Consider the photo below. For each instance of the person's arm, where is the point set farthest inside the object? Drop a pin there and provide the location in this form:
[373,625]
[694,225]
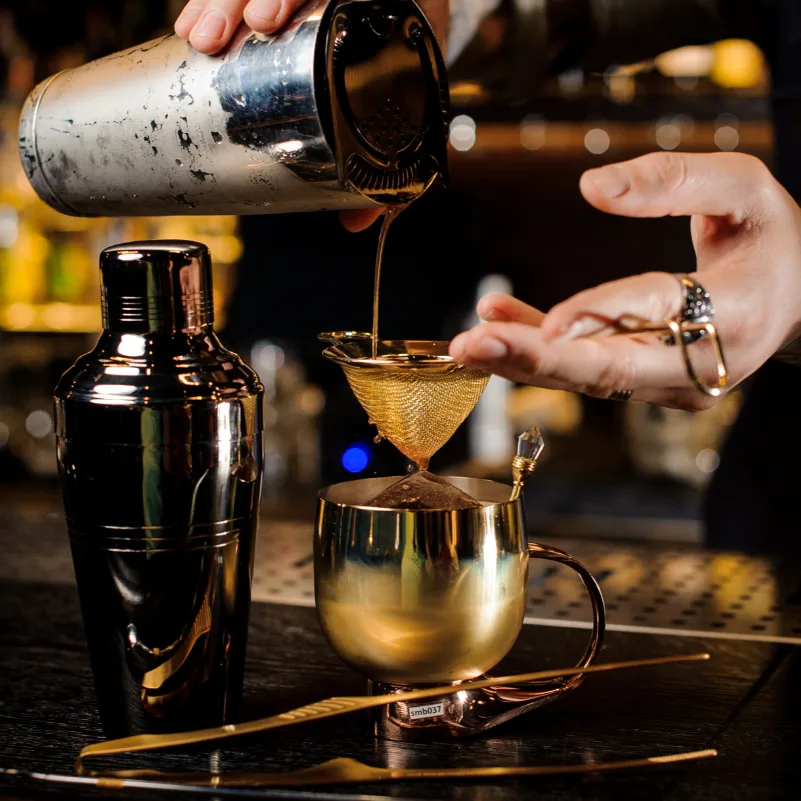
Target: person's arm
[545,37]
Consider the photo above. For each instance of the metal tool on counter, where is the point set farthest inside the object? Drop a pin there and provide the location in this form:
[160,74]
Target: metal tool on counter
[159,438]
[334,707]
[345,108]
[116,784]
[342,771]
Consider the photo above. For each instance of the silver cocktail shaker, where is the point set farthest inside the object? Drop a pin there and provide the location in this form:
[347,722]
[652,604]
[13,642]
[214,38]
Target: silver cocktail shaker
[345,108]
[159,435]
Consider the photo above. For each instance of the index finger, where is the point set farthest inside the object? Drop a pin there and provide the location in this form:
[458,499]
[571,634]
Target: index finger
[596,366]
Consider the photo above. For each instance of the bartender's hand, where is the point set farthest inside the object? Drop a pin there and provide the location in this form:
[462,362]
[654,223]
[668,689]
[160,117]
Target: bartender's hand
[746,230]
[209,25]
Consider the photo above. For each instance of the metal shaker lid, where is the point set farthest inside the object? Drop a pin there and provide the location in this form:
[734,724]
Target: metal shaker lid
[161,285]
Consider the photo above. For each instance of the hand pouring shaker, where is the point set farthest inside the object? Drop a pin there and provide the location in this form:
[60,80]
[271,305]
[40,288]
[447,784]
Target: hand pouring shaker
[345,108]
[159,435]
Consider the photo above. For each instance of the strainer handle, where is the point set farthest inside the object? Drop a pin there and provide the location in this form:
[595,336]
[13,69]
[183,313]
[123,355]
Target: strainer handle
[536,690]
[339,337]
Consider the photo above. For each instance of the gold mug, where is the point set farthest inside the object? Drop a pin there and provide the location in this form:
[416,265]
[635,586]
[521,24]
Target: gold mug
[416,598]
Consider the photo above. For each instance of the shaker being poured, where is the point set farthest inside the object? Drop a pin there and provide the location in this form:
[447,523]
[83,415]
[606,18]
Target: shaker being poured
[346,108]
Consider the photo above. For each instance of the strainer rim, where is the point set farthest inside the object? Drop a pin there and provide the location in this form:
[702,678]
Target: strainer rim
[405,360]
[337,339]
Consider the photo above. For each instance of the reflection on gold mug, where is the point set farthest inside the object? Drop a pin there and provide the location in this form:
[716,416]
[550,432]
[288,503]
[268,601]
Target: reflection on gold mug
[415,598]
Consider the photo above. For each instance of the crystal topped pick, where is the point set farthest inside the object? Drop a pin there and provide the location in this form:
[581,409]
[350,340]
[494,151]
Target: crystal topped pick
[530,445]
[529,448]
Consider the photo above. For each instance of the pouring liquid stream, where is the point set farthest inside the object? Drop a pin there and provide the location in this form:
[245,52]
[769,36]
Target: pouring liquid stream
[391,213]
[421,463]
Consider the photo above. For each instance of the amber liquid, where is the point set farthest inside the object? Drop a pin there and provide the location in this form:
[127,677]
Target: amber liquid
[391,214]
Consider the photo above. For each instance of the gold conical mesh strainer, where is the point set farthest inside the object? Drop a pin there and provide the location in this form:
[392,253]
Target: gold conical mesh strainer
[413,391]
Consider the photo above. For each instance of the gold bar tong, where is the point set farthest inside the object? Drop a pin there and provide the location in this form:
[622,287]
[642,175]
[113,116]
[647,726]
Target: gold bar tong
[677,329]
[350,771]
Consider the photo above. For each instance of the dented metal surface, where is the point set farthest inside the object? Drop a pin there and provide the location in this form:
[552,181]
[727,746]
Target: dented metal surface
[160,129]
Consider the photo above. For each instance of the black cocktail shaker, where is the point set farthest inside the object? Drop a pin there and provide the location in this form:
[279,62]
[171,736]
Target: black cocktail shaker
[159,433]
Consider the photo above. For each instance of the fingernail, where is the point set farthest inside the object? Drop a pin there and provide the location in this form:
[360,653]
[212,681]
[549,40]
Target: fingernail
[489,349]
[611,181]
[188,17]
[493,315]
[211,26]
[267,11]
[574,330]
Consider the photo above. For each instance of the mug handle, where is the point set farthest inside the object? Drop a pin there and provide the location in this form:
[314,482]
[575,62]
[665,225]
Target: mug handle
[543,692]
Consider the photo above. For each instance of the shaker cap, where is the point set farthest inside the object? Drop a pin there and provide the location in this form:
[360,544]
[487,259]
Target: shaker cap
[160,285]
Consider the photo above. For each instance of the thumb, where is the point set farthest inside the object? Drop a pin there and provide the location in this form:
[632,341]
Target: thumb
[679,184]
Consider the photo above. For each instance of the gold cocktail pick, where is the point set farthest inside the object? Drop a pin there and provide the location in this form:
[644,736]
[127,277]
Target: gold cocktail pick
[529,449]
[333,707]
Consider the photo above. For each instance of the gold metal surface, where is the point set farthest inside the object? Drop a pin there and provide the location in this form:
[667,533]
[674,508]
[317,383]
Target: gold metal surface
[414,598]
[722,373]
[334,707]
[522,469]
[413,391]
[677,328]
[411,598]
[402,630]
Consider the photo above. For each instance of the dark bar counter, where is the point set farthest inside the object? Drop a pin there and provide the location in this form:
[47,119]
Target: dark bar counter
[744,702]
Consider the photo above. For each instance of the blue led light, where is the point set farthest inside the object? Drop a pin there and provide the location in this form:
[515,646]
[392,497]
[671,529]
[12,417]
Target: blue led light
[355,458]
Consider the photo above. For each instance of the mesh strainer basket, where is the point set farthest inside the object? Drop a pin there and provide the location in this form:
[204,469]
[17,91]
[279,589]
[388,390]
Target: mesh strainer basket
[413,391]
